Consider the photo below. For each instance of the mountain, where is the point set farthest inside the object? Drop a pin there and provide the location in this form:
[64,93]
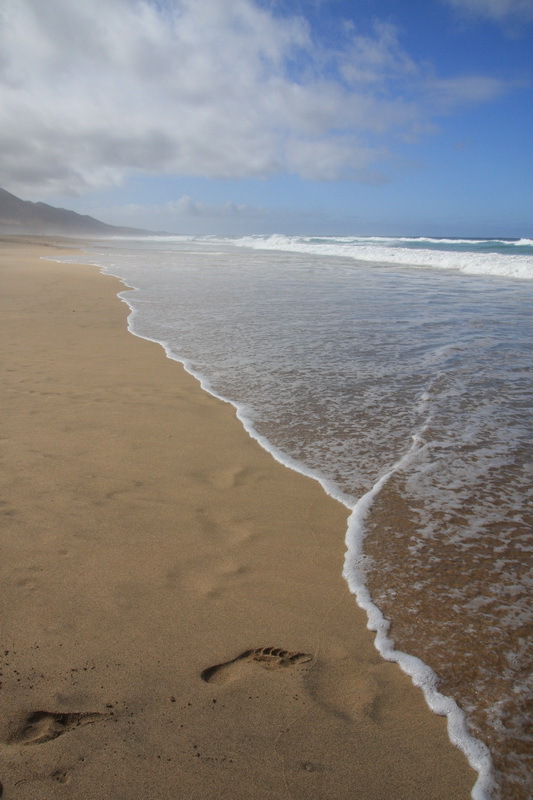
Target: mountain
[24,217]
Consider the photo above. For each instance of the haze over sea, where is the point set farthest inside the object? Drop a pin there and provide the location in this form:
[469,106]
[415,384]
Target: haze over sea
[398,373]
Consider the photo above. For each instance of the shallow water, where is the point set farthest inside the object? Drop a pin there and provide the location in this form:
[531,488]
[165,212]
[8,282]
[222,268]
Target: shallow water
[344,367]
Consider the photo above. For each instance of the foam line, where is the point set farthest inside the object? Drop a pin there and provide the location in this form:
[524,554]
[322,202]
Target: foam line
[383,252]
[476,752]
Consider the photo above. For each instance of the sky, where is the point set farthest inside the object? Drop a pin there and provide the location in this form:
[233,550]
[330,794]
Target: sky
[324,117]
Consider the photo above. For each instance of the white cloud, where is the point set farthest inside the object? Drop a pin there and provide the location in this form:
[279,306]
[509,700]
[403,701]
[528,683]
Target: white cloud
[464,90]
[378,57]
[92,92]
[498,10]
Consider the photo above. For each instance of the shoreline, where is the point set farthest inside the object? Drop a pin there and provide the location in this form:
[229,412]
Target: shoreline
[166,616]
[421,675]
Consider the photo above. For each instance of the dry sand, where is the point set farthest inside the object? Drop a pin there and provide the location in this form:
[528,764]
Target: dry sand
[146,541]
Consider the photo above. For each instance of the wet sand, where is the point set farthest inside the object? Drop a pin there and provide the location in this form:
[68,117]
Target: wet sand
[174,620]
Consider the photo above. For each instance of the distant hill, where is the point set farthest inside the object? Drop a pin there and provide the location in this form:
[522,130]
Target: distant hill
[24,217]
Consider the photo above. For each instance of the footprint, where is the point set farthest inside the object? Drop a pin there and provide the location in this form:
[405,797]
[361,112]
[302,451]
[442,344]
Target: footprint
[43,726]
[210,581]
[61,776]
[266,657]
[229,477]
[347,693]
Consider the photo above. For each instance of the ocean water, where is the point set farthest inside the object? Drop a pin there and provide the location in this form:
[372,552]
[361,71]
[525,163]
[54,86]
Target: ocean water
[398,372]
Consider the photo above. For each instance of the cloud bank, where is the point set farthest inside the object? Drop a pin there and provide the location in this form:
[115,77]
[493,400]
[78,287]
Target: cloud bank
[94,92]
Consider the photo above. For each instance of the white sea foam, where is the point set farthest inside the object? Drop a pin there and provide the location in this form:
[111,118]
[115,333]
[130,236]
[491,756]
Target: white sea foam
[373,250]
[422,676]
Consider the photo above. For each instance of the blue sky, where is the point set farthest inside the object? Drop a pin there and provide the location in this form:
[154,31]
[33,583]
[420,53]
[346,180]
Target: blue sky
[261,116]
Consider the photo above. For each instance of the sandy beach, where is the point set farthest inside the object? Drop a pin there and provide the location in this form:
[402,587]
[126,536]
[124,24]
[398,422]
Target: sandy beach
[174,620]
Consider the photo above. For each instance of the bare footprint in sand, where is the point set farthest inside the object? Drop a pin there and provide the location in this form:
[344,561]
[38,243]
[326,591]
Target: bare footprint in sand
[266,657]
[43,726]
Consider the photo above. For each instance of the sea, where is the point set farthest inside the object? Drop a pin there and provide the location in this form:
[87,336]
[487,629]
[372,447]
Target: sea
[398,373]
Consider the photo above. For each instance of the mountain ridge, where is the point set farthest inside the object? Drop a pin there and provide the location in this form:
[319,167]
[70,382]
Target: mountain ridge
[25,217]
